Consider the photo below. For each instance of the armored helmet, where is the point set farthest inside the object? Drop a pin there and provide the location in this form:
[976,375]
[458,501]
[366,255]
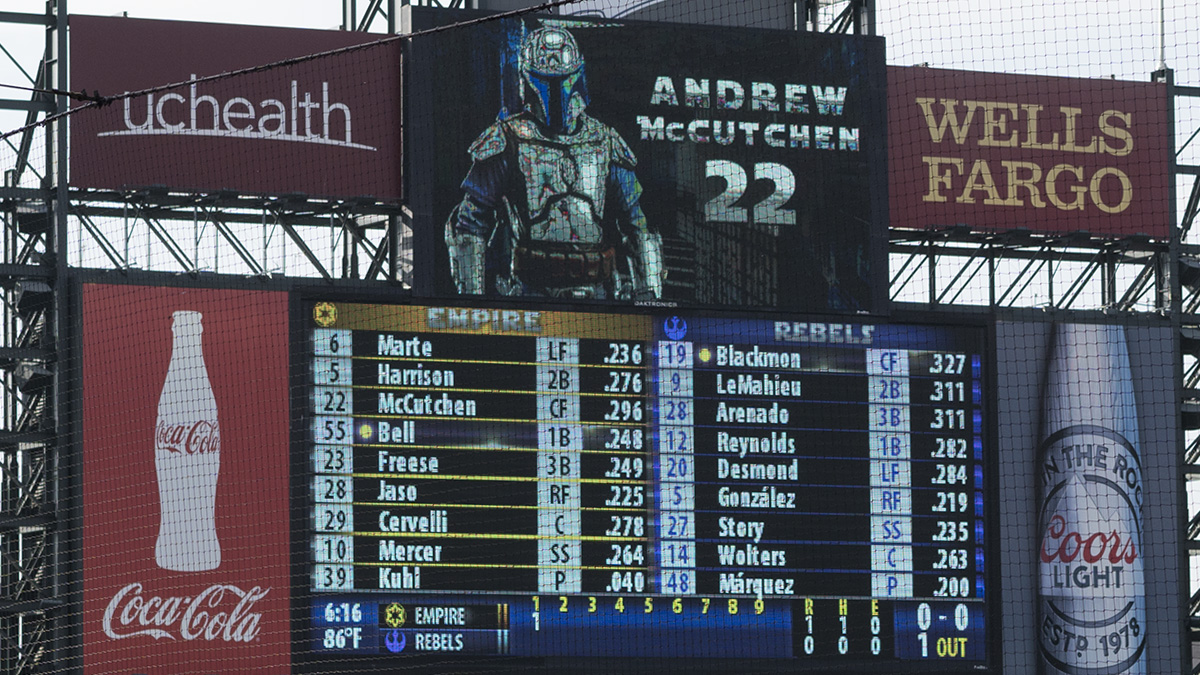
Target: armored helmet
[553,86]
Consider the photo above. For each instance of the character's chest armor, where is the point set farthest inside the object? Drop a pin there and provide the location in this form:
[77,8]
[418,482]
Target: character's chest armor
[564,188]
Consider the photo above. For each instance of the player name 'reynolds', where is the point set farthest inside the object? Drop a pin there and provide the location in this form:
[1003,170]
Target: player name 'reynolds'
[415,377]
[760,385]
[778,443]
[753,471]
[729,355]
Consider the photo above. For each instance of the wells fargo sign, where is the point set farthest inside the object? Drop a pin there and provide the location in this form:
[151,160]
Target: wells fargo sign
[1052,155]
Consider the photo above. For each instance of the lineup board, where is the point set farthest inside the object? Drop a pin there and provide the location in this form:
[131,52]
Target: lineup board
[504,482]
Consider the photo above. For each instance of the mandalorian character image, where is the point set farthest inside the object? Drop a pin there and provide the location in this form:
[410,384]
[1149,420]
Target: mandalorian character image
[551,199]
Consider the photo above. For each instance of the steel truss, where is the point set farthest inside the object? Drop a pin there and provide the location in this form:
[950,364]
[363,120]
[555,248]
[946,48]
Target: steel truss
[49,228]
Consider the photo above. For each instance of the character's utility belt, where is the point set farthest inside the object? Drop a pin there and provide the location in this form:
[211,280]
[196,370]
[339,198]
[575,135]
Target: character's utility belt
[563,267]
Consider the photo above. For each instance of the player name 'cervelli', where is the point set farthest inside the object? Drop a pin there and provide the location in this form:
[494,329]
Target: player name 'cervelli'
[760,385]
[729,355]
[778,443]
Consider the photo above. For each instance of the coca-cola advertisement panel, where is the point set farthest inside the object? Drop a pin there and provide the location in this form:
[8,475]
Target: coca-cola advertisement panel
[1054,155]
[185,451]
[325,127]
[1089,468]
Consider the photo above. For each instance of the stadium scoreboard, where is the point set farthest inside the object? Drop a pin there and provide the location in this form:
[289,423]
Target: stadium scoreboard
[507,482]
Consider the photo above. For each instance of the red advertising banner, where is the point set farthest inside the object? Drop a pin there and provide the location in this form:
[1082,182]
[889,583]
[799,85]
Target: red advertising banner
[327,127]
[185,481]
[1052,155]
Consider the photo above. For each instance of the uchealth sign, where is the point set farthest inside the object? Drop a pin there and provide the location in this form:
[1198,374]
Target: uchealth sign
[185,481]
[1051,155]
[326,127]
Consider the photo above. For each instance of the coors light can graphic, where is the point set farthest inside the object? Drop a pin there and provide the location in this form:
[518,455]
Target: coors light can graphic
[1092,604]
[187,455]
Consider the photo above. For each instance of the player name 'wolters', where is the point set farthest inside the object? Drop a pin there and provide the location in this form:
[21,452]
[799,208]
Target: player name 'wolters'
[754,471]
[415,377]
[760,385]
[750,555]
[729,355]
[778,443]
[411,404]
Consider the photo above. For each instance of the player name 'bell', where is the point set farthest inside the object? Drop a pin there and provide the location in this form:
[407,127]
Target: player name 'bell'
[187,455]
[1092,596]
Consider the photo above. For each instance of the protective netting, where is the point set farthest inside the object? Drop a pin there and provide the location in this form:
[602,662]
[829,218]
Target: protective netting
[613,337]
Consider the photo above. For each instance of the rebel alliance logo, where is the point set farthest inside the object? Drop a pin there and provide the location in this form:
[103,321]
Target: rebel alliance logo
[201,437]
[301,118]
[130,614]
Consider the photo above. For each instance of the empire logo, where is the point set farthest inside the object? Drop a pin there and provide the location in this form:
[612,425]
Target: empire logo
[301,118]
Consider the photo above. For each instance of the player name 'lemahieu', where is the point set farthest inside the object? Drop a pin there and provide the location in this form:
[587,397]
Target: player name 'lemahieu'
[415,377]
[729,355]
[778,443]
[761,385]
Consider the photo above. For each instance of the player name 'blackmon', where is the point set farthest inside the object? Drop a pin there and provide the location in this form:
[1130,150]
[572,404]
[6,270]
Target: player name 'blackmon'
[415,377]
[753,471]
[729,355]
[760,385]
[778,443]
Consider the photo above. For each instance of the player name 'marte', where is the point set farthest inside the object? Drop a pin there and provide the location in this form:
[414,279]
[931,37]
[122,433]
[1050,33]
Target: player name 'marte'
[757,385]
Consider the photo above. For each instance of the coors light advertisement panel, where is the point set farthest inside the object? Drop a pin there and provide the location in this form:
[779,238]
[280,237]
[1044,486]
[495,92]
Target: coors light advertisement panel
[326,127]
[185,451]
[1048,154]
[1089,463]
[654,162]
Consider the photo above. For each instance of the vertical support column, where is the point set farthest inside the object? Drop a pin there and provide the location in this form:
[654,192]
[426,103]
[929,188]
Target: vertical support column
[560,440]
[676,470]
[891,474]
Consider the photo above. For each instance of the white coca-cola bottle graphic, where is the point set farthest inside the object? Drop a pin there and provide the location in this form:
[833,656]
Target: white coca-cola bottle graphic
[187,455]
[1092,596]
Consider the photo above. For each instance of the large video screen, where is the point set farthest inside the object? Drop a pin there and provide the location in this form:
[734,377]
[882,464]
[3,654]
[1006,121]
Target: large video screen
[509,484]
[552,157]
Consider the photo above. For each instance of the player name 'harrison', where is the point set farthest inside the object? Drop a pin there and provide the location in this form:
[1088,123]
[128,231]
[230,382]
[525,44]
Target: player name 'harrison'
[415,377]
[729,355]
[761,385]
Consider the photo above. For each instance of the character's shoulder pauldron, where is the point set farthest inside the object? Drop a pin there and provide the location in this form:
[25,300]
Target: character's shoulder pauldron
[622,155]
[489,144]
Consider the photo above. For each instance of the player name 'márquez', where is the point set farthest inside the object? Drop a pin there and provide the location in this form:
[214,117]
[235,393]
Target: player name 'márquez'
[757,385]
[415,377]
[412,404]
[729,355]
